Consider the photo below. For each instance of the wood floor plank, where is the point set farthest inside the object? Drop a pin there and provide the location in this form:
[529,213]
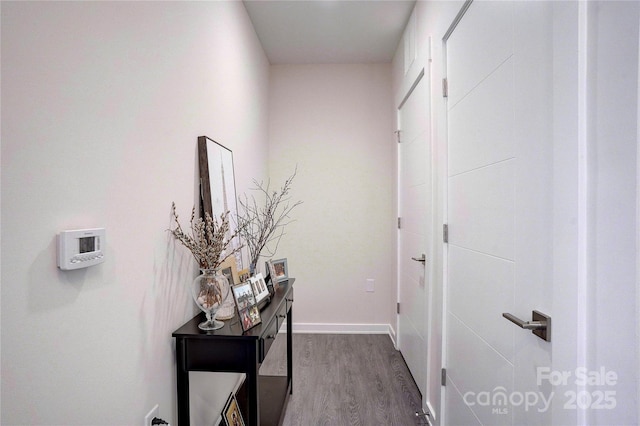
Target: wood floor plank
[340,379]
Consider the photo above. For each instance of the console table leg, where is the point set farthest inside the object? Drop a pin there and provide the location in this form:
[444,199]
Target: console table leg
[290,349]
[182,378]
[252,386]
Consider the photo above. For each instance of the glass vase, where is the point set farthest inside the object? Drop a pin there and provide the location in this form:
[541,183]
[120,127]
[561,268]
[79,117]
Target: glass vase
[210,290]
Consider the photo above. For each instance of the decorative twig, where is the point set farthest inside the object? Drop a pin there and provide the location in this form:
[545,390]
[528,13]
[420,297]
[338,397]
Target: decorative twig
[207,241]
[262,224]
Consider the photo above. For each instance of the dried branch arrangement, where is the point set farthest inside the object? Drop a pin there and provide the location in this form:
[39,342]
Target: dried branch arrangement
[207,241]
[261,224]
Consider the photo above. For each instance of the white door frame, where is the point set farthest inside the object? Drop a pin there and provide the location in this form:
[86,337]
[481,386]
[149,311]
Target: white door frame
[444,173]
[428,267]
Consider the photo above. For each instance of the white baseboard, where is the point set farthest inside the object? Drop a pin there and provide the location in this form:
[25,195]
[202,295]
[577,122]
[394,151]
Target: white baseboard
[336,328]
[432,418]
[392,335]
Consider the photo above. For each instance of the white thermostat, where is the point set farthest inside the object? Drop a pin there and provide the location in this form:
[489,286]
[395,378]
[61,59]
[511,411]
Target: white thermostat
[80,248]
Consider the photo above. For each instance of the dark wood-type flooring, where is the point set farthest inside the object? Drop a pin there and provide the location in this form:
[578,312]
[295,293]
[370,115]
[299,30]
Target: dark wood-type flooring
[341,380]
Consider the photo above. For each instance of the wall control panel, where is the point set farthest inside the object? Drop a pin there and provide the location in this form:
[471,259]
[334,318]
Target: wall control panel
[80,248]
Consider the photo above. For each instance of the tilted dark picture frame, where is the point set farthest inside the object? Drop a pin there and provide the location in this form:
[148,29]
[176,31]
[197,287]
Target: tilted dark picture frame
[218,185]
[231,412]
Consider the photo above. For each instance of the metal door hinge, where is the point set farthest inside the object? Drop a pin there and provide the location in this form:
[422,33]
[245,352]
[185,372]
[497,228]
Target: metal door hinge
[399,223]
[398,307]
[445,233]
[397,132]
[443,380]
[445,88]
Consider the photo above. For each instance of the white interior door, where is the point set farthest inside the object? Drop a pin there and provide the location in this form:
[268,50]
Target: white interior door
[415,211]
[503,214]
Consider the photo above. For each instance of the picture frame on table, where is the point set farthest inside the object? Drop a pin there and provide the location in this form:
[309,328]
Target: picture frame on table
[250,317]
[268,266]
[281,269]
[260,289]
[227,273]
[243,295]
[229,269]
[232,415]
[247,306]
[243,275]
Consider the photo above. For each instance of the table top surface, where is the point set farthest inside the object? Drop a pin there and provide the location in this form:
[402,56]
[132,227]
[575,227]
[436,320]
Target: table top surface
[232,328]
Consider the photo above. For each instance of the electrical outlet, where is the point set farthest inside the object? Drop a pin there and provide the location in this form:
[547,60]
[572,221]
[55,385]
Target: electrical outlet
[369,285]
[155,412]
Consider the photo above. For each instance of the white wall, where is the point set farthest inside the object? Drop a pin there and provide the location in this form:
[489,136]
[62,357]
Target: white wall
[335,122]
[101,107]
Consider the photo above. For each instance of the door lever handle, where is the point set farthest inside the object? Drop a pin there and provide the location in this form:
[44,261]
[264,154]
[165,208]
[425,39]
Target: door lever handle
[527,325]
[540,325]
[422,259]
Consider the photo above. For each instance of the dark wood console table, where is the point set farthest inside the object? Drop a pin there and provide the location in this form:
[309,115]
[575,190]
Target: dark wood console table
[228,349]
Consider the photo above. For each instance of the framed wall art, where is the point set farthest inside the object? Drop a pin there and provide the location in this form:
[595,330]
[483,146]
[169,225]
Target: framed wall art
[218,185]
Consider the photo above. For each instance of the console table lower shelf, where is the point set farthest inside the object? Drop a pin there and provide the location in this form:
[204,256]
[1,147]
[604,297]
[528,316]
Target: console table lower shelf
[274,396]
[262,398]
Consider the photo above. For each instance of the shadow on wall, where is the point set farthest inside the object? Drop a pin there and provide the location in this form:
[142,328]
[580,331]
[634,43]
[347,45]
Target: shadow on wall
[166,303]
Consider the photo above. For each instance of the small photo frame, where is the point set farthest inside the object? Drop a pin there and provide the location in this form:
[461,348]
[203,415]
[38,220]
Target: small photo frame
[227,273]
[282,272]
[243,275]
[268,266]
[232,415]
[259,287]
[230,270]
[243,294]
[250,317]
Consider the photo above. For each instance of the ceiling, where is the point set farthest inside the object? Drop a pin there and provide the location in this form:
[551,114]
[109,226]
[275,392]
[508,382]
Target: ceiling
[329,31]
